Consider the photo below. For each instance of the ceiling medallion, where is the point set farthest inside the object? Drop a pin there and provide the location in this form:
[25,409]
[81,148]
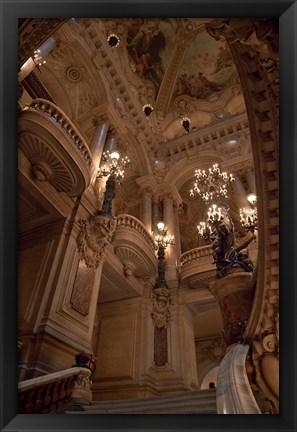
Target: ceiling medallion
[211,185]
[73,74]
[186,124]
[147,109]
[113,40]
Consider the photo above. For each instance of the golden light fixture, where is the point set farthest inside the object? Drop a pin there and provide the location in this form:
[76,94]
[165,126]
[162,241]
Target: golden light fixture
[249,217]
[212,184]
[186,122]
[161,238]
[252,198]
[113,165]
[37,58]
[147,109]
[113,40]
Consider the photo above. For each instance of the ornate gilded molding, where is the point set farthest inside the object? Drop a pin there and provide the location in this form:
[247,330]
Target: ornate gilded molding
[95,234]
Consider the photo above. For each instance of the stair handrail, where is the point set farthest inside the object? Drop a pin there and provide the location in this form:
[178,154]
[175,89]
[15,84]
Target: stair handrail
[48,393]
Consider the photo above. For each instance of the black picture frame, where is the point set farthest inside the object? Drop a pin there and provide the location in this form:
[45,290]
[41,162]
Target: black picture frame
[10,11]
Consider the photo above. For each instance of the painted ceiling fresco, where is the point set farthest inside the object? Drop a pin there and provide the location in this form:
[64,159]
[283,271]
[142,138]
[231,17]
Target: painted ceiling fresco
[150,43]
[206,69]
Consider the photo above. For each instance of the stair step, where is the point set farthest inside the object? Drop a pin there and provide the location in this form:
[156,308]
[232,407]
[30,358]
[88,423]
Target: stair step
[197,402]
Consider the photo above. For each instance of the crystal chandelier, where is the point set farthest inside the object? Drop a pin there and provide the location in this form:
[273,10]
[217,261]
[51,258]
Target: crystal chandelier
[211,185]
[161,238]
[113,165]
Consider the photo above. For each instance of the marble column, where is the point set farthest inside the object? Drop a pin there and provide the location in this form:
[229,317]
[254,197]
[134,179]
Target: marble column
[146,209]
[96,147]
[155,212]
[29,65]
[168,218]
[97,143]
[111,143]
[252,182]
[240,194]
[177,233]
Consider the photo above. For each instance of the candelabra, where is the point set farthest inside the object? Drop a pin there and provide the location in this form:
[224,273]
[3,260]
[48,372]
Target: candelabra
[162,240]
[212,184]
[219,230]
[216,216]
[113,166]
[37,58]
[205,231]
[249,219]
[114,169]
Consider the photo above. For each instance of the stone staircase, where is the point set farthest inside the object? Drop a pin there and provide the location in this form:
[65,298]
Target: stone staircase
[194,402]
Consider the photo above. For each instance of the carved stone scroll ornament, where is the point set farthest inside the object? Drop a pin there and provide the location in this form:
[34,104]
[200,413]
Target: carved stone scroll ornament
[265,363]
[95,234]
[161,314]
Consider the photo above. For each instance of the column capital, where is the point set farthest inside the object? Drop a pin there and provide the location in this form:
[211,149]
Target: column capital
[147,183]
[167,197]
[170,192]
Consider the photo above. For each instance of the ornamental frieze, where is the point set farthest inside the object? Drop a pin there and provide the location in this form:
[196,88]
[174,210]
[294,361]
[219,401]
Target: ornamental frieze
[213,352]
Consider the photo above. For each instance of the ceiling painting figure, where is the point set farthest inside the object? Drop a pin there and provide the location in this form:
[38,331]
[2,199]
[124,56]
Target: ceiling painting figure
[207,68]
[148,45]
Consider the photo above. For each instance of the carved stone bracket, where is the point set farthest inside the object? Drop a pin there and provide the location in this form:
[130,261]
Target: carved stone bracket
[265,362]
[95,234]
[162,300]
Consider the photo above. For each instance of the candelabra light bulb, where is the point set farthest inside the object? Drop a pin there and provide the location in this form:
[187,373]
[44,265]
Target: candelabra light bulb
[160,226]
[115,155]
